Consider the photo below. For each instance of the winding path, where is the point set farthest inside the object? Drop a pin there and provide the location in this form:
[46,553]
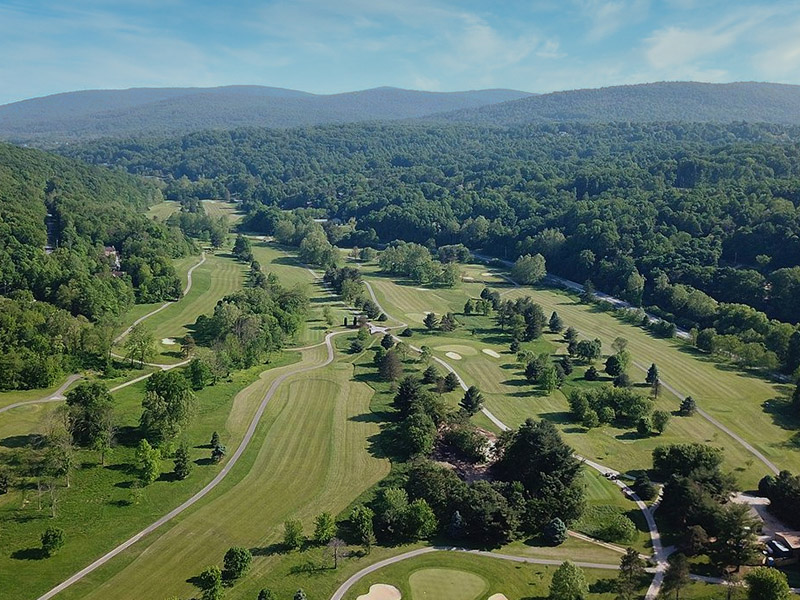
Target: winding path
[166,304]
[248,436]
[659,555]
[58,395]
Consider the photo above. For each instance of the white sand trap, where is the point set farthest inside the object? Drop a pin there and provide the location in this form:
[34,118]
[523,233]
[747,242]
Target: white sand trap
[487,274]
[381,591]
[423,289]
[491,353]
[453,355]
[168,341]
[498,597]
[466,278]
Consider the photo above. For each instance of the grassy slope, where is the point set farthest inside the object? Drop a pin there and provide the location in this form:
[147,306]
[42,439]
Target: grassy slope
[95,512]
[163,210]
[309,455]
[724,392]
[516,581]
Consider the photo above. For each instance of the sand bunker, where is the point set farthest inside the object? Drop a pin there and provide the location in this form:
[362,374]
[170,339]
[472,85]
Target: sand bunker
[498,597]
[453,355]
[381,591]
[168,342]
[487,274]
[423,289]
[465,278]
[491,353]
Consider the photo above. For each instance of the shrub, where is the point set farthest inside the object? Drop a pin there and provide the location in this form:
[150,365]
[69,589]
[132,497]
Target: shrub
[555,532]
[607,523]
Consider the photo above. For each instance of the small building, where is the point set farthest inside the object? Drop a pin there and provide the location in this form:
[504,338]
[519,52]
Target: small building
[111,253]
[784,548]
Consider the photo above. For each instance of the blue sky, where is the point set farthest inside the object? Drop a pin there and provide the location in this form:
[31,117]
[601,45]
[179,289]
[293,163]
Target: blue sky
[327,46]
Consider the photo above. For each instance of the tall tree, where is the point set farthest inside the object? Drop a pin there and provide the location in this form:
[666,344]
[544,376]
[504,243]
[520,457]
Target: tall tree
[569,583]
[767,584]
[167,405]
[631,573]
[676,577]
[472,402]
[140,344]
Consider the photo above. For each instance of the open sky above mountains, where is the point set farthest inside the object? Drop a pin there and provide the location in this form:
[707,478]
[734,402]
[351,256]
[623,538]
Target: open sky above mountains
[328,47]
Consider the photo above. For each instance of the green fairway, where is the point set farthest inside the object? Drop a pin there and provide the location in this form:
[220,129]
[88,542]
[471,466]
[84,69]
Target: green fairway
[309,455]
[163,210]
[446,584]
[96,511]
[217,277]
[470,576]
[219,208]
[509,396]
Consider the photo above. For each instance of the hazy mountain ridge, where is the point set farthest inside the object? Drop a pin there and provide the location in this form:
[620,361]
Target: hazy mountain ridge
[650,102]
[165,111]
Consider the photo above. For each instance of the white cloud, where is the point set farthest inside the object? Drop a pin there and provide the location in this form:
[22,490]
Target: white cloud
[780,57]
[606,17]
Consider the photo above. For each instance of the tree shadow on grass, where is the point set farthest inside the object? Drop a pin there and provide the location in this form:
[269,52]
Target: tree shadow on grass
[30,440]
[783,413]
[276,548]
[559,418]
[129,436]
[203,462]
[29,554]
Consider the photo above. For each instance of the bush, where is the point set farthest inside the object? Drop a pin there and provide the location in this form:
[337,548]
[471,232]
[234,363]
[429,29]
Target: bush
[407,332]
[607,523]
[53,539]
[468,442]
[591,374]
[356,346]
[645,488]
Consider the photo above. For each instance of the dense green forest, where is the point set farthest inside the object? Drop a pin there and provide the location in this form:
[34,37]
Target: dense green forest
[52,298]
[700,220]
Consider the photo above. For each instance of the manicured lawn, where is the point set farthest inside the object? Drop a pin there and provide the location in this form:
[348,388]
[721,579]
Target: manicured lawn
[163,210]
[96,511]
[508,395]
[220,208]
[310,454]
[416,578]
[572,549]
[446,584]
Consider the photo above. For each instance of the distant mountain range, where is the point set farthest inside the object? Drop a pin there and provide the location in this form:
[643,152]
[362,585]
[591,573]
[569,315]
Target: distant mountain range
[666,101]
[159,111]
[171,111]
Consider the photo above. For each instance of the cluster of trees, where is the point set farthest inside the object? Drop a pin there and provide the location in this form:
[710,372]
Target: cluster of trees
[248,325]
[416,262]
[193,221]
[696,503]
[618,405]
[76,211]
[641,209]
[537,482]
[783,491]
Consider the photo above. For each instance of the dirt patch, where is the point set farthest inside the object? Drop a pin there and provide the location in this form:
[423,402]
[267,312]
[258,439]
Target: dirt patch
[381,591]
[453,355]
[491,353]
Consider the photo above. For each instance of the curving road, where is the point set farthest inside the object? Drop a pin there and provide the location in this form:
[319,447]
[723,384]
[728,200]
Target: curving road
[166,304]
[659,555]
[211,485]
[56,396]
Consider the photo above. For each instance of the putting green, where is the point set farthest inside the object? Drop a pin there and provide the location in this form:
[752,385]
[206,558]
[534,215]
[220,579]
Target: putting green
[458,349]
[446,584]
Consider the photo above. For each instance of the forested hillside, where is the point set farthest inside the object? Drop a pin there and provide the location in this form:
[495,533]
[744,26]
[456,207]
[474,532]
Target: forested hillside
[51,298]
[697,219]
[666,101]
[115,113]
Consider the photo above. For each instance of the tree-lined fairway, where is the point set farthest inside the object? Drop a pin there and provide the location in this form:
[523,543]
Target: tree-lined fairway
[219,208]
[512,399]
[163,210]
[310,454]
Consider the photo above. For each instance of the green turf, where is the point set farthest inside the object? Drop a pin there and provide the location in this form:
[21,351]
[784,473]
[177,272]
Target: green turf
[512,399]
[95,511]
[446,584]
[310,454]
[517,581]
[219,208]
[163,210]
